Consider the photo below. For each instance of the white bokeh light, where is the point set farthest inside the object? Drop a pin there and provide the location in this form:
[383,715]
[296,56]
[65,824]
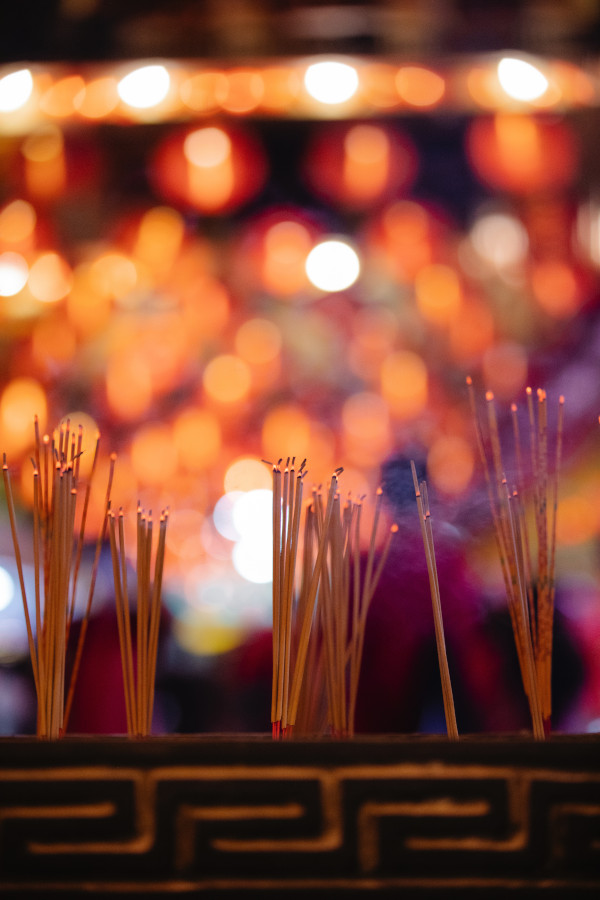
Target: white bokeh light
[207,147]
[14,272]
[253,518]
[15,90]
[7,588]
[332,265]
[331,82]
[500,239]
[253,514]
[144,87]
[521,80]
[253,560]
[223,515]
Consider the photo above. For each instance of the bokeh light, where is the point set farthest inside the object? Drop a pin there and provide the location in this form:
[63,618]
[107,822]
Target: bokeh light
[407,236]
[556,288]
[98,99]
[253,519]
[207,148]
[17,222]
[14,273]
[159,240]
[62,98]
[331,82]
[471,333]
[366,428]
[374,333]
[114,275]
[505,368]
[258,341]
[43,153]
[244,91]
[87,308]
[286,431]
[212,168]
[153,454]
[332,265]
[500,239]
[144,87]
[366,159]
[22,399]
[286,247]
[197,437]
[247,474]
[227,379]
[201,91]
[521,79]
[128,385]
[359,165]
[15,90]
[420,87]
[50,278]
[438,292]
[450,464]
[576,520]
[404,383]
[53,342]
[521,153]
[7,588]
[252,515]
[223,515]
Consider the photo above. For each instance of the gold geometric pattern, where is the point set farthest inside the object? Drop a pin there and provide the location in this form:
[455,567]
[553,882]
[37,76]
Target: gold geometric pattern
[149,824]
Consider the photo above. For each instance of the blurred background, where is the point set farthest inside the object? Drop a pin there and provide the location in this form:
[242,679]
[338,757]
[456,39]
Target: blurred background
[236,231]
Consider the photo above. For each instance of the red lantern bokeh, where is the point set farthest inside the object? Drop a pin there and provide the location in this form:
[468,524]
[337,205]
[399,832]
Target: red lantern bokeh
[213,168]
[360,164]
[522,154]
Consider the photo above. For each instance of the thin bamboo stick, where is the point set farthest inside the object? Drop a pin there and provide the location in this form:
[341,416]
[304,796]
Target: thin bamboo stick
[19,562]
[428,543]
[530,598]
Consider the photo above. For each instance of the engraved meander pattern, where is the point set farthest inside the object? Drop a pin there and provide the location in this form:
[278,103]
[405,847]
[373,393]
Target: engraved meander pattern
[433,824]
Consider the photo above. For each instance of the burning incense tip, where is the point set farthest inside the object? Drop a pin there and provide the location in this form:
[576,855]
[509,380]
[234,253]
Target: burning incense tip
[469,380]
[528,390]
[489,395]
[394,529]
[561,399]
[513,407]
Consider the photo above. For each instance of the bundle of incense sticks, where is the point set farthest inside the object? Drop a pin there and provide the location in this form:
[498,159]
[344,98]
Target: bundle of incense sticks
[524,515]
[427,534]
[139,675]
[318,629]
[57,557]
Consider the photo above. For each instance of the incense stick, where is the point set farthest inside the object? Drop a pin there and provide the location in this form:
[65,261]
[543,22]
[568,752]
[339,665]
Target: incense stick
[56,564]
[434,586]
[138,678]
[319,630]
[530,596]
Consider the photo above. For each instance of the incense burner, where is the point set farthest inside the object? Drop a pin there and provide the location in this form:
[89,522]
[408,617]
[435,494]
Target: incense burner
[234,816]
